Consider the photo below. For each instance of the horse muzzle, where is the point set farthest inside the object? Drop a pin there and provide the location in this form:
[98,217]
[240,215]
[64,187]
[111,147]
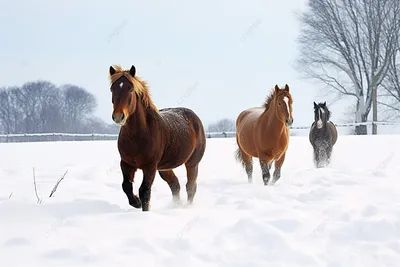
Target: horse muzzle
[288,122]
[119,118]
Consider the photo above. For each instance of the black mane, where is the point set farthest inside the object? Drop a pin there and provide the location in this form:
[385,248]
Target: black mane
[325,108]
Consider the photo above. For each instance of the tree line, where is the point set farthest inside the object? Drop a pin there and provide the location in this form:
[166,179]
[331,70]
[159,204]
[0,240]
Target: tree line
[41,107]
[352,47]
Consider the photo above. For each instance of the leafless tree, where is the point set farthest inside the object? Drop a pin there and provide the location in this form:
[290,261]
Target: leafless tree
[37,99]
[224,125]
[10,111]
[348,46]
[78,106]
[391,85]
[41,107]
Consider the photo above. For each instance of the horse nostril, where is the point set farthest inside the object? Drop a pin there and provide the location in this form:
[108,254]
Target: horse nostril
[113,118]
[122,116]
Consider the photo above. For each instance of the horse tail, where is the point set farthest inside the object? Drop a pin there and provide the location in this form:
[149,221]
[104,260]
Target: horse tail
[239,157]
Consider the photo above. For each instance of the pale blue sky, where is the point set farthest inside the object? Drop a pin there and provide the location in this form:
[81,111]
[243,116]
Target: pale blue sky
[224,56]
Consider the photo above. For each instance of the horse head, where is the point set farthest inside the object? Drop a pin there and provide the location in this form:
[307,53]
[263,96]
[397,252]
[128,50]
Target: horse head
[283,103]
[321,114]
[128,92]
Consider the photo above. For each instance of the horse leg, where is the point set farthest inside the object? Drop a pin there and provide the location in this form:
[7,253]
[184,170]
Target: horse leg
[278,166]
[173,182]
[249,170]
[264,161]
[323,155]
[328,154]
[149,173]
[192,172]
[128,173]
[248,166]
[317,157]
[270,165]
[247,163]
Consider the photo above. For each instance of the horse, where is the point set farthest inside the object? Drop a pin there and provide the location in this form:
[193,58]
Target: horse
[263,133]
[153,140]
[323,135]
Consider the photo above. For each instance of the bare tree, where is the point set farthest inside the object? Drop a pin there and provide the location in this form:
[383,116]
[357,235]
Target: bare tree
[78,106]
[224,125]
[10,110]
[391,94]
[348,46]
[40,106]
[36,98]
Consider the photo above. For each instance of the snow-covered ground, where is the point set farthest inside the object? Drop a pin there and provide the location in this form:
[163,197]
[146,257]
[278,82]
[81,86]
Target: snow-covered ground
[346,215]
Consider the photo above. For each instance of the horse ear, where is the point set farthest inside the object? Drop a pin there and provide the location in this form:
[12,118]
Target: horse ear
[277,88]
[112,70]
[132,71]
[325,103]
[315,104]
[287,87]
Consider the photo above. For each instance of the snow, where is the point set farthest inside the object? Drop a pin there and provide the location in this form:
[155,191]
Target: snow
[344,215]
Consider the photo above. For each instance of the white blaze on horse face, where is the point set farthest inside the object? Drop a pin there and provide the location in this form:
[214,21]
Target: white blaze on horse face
[286,99]
[319,122]
[121,84]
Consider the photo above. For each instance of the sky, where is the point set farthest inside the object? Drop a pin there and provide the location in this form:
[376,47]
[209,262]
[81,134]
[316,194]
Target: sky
[215,57]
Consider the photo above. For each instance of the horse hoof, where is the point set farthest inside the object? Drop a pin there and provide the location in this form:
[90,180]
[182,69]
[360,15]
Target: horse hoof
[135,202]
[146,207]
[178,203]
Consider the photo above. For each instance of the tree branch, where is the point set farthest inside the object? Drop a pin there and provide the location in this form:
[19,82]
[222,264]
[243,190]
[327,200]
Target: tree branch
[58,182]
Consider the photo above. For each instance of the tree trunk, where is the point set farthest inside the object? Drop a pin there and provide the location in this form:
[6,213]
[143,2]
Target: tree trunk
[374,110]
[360,117]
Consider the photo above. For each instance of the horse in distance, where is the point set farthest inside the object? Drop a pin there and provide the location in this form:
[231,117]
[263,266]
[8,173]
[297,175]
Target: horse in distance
[322,135]
[153,140]
[263,133]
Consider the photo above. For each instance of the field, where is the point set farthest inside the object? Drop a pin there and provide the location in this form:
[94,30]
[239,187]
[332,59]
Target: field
[344,215]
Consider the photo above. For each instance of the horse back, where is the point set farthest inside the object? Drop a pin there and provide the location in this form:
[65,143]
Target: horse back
[184,133]
[247,118]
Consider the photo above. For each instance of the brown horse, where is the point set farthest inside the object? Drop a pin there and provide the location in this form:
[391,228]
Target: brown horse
[263,132]
[153,140]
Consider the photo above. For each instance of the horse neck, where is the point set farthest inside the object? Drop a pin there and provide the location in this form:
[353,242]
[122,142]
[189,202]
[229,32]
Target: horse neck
[271,115]
[137,120]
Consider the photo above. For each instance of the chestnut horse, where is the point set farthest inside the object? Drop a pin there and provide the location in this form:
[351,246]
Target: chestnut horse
[153,140]
[263,133]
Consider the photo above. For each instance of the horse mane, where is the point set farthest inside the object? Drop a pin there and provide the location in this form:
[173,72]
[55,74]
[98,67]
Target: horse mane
[139,85]
[328,112]
[268,100]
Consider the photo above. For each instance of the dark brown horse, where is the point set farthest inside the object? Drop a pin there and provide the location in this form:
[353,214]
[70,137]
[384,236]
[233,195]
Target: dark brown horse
[263,133]
[153,140]
[323,135]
